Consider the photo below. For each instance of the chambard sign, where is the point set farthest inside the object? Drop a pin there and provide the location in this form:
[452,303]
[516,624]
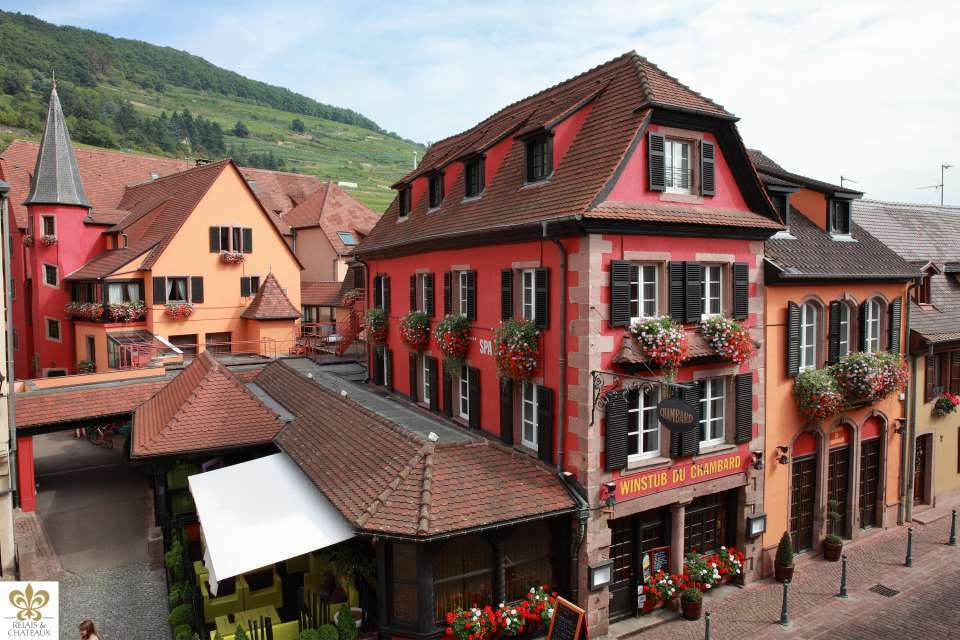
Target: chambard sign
[29,610]
[676,415]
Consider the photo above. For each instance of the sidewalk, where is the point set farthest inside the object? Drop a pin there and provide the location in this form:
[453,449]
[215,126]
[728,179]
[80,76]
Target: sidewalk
[816,612]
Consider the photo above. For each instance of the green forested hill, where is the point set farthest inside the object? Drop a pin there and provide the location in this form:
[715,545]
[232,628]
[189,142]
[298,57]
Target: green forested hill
[136,96]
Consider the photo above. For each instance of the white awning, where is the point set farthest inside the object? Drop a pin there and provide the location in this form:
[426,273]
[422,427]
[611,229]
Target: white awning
[256,513]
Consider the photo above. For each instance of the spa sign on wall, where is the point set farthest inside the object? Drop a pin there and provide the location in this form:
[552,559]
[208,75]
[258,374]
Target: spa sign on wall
[637,485]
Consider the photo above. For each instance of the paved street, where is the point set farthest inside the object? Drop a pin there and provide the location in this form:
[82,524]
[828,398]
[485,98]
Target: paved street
[927,606]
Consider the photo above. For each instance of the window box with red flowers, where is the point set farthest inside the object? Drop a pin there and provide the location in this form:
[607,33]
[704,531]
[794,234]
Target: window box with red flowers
[945,404]
[508,620]
[516,347]
[127,311]
[864,377]
[817,395]
[84,310]
[28,240]
[232,257]
[415,330]
[48,240]
[178,310]
[662,341]
[729,338]
[377,327]
[453,339]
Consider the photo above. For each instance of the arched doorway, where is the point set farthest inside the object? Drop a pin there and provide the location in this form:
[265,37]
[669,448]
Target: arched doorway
[871,461]
[803,490]
[838,480]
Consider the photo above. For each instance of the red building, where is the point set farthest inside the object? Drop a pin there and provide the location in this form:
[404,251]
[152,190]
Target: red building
[589,208]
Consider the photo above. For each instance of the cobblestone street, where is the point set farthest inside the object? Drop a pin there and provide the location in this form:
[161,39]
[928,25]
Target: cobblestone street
[928,604]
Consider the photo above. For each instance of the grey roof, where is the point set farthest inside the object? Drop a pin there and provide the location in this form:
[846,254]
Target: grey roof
[918,232]
[940,321]
[811,253]
[56,178]
[772,173]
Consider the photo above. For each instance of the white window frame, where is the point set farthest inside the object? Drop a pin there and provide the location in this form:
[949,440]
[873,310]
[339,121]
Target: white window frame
[43,227]
[422,292]
[872,325]
[186,289]
[645,411]
[638,284]
[46,329]
[809,332]
[705,294]
[56,271]
[425,388]
[383,293]
[843,344]
[528,398]
[669,161]
[385,365]
[462,293]
[463,402]
[528,294]
[711,390]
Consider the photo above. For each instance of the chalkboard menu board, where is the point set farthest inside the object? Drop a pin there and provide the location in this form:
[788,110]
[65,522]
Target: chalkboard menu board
[567,623]
[660,559]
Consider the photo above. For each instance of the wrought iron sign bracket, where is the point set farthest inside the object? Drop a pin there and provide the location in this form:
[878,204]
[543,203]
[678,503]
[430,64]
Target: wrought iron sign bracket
[606,381]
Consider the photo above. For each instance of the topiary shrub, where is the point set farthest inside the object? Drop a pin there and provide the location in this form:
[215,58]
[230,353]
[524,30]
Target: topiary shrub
[173,560]
[239,634]
[328,632]
[785,550]
[691,594]
[346,627]
[179,593]
[182,614]
[183,632]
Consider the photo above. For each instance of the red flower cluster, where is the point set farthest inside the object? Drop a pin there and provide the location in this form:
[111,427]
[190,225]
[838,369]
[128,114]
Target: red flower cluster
[415,330]
[506,621]
[700,572]
[662,340]
[178,310]
[84,310]
[127,311]
[377,327]
[453,339]
[517,349]
[729,338]
[946,404]
[232,257]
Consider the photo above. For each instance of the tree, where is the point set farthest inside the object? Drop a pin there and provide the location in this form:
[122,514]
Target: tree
[297,125]
[240,130]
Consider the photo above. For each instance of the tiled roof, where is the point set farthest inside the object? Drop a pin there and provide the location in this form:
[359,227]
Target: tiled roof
[325,294]
[939,322]
[270,303]
[106,217]
[332,209]
[680,214]
[772,173]
[813,253]
[204,408]
[109,261]
[107,174]
[622,94]
[56,178]
[51,406]
[918,232]
[385,479]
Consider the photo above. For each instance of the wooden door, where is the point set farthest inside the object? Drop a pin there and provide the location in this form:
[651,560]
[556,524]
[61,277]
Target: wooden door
[869,482]
[838,484]
[920,471]
[623,591]
[803,494]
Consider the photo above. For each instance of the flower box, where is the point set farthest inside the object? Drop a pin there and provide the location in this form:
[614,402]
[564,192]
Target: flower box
[84,310]
[232,257]
[661,340]
[415,330]
[945,404]
[48,240]
[729,338]
[376,321]
[516,348]
[127,311]
[508,620]
[350,297]
[178,310]
[453,339]
[27,240]
[817,395]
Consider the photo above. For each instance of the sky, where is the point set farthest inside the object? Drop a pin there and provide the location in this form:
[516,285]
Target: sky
[867,90]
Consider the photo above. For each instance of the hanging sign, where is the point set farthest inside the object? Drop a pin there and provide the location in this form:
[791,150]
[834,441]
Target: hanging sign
[676,415]
[568,622]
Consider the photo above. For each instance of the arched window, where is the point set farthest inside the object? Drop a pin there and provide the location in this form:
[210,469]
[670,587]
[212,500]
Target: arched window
[809,332]
[871,325]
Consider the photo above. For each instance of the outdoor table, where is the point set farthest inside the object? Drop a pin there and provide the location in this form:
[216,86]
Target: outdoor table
[226,628]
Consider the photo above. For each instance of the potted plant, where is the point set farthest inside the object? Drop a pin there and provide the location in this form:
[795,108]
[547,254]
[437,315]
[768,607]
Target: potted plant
[833,543]
[48,240]
[127,311]
[516,347]
[415,330]
[945,404]
[662,341]
[691,603]
[453,339]
[232,257]
[817,395]
[377,327]
[729,338]
[783,564]
[28,240]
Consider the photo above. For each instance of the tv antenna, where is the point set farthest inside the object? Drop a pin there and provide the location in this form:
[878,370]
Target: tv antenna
[846,179]
[943,168]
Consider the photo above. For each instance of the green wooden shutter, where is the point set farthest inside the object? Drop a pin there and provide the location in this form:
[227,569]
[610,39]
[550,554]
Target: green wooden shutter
[833,338]
[743,384]
[506,294]
[707,171]
[793,338]
[244,286]
[247,240]
[434,384]
[862,324]
[447,293]
[447,391]
[617,425]
[687,444]
[545,424]
[741,290]
[676,286]
[656,161]
[693,272]
[471,295]
[377,292]
[506,410]
[620,271]
[473,388]
[413,292]
[413,375]
[159,290]
[196,289]
[428,282]
[386,293]
[388,374]
[214,239]
[894,326]
[541,285]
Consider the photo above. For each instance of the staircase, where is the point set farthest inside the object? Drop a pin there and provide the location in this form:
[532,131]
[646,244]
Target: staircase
[350,327]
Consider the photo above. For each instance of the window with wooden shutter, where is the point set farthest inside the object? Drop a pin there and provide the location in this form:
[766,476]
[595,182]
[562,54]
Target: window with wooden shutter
[741,290]
[687,444]
[541,297]
[254,284]
[793,339]
[620,271]
[196,289]
[955,372]
[214,239]
[506,294]
[413,375]
[743,431]
[244,286]
[385,293]
[676,274]
[833,339]
[615,439]
[447,293]
[378,292]
[862,326]
[377,368]
[473,393]
[413,292]
[929,378]
[159,290]
[506,411]
[707,170]
[247,240]
[471,294]
[428,297]
[693,286]
[447,384]
[894,325]
[432,373]
[545,424]
[655,161]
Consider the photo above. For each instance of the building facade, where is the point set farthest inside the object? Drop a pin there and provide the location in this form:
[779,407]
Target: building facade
[612,199]
[832,290]
[8,564]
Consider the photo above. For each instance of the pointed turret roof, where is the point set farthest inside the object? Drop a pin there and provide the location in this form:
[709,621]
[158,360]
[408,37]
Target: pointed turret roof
[56,178]
[271,303]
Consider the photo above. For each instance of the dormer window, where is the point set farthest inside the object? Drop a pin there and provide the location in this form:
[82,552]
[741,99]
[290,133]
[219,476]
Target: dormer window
[436,190]
[404,202]
[781,202]
[679,176]
[473,177]
[539,158]
[839,222]
[924,290]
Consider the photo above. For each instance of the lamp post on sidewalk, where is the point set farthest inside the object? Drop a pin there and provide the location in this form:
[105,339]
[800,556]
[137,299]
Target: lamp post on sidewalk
[784,613]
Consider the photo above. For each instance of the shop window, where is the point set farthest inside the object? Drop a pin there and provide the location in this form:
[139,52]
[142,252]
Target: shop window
[462,575]
[711,290]
[712,404]
[706,523]
[643,434]
[527,560]
[643,291]
[402,577]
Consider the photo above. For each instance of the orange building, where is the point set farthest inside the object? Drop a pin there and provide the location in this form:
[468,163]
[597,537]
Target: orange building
[832,290]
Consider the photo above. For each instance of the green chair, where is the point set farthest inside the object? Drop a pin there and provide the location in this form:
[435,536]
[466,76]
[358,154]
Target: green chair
[260,590]
[200,571]
[225,603]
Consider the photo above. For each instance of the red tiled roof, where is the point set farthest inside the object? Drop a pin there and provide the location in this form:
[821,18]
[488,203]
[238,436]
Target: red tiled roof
[680,214]
[107,174]
[326,294]
[106,217]
[109,261]
[204,408]
[270,303]
[51,406]
[623,94]
[332,209]
[385,479]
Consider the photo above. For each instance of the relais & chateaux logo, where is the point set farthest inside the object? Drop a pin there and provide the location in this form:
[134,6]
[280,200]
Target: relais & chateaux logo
[29,610]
